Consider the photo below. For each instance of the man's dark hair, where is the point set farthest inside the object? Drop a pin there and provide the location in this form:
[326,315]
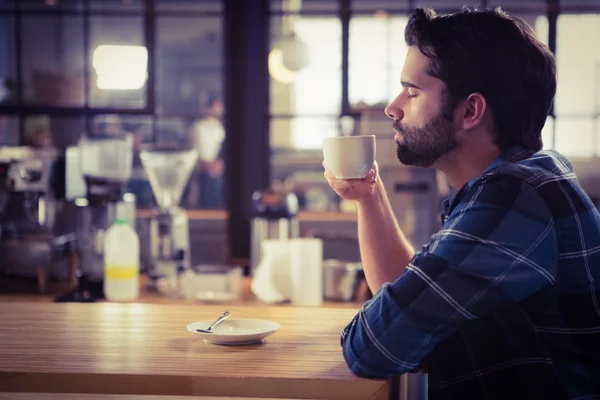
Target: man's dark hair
[497,55]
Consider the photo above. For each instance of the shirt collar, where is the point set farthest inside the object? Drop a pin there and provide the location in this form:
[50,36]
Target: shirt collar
[510,155]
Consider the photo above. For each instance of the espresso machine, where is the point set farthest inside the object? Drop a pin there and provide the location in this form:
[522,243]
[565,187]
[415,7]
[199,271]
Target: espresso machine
[28,196]
[98,170]
[168,169]
[32,239]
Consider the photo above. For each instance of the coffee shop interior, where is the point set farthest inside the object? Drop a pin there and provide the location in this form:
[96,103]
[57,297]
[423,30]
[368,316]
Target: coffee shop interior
[161,152]
[216,111]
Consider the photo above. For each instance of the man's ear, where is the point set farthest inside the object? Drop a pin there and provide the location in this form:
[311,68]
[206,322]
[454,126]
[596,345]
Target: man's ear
[472,111]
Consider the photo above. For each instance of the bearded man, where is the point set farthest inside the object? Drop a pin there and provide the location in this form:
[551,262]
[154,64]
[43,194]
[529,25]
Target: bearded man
[504,302]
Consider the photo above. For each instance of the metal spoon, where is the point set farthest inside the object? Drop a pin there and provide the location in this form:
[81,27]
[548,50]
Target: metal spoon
[222,318]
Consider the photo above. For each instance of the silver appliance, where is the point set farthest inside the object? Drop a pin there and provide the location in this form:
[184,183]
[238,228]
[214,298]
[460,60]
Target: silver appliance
[168,169]
[275,216]
[27,174]
[31,195]
[341,280]
[414,195]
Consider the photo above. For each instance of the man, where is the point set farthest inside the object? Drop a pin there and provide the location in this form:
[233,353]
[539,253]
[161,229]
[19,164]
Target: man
[208,135]
[503,303]
[38,133]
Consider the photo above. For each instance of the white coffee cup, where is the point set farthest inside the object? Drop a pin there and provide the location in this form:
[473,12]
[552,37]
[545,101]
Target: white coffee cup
[349,157]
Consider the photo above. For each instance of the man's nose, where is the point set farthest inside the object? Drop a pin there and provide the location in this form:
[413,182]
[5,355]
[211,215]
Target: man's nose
[393,111]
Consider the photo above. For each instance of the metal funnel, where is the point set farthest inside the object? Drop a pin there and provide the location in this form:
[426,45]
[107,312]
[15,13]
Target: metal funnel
[168,170]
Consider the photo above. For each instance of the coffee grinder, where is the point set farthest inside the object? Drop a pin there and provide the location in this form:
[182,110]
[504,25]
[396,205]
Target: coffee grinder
[168,169]
[98,171]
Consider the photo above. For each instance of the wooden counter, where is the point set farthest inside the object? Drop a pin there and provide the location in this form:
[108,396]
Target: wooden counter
[220,215]
[247,298]
[145,349]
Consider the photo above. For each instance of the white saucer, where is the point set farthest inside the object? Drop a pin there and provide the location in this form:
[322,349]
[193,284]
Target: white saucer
[236,331]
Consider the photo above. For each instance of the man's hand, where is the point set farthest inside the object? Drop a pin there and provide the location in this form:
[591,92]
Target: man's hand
[355,189]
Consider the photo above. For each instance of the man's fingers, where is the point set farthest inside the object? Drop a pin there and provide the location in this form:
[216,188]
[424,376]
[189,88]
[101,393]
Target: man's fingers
[370,177]
[346,183]
[340,185]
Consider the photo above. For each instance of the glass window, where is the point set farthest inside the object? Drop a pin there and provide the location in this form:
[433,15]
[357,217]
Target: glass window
[516,6]
[377,53]
[296,165]
[9,130]
[540,27]
[597,137]
[119,62]
[302,133]
[380,5]
[376,56]
[116,5]
[51,5]
[296,75]
[188,6]
[580,6]
[189,63]
[446,6]
[404,5]
[138,125]
[52,60]
[7,4]
[305,5]
[48,130]
[173,131]
[575,137]
[578,65]
[8,62]
[548,133]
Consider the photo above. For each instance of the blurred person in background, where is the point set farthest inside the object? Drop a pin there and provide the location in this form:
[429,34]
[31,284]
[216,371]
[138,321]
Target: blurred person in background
[504,301]
[38,133]
[207,136]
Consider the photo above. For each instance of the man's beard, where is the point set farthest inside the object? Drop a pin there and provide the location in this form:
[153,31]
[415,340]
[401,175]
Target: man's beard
[422,146]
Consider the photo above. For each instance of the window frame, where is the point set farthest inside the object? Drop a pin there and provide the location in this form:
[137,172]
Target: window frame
[150,14]
[346,11]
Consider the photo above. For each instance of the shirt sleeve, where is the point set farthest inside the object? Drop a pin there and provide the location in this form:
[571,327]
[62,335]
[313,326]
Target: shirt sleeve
[497,247]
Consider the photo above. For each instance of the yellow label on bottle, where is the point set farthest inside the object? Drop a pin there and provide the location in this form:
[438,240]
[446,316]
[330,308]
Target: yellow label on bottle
[120,272]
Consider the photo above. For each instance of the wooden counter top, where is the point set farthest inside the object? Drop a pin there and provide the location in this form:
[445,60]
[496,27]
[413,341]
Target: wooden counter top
[221,215]
[247,298]
[144,349]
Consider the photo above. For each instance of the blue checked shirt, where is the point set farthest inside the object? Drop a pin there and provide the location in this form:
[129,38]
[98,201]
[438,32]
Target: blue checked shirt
[504,302]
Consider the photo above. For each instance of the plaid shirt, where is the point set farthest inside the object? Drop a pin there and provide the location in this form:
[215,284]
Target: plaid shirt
[503,303]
